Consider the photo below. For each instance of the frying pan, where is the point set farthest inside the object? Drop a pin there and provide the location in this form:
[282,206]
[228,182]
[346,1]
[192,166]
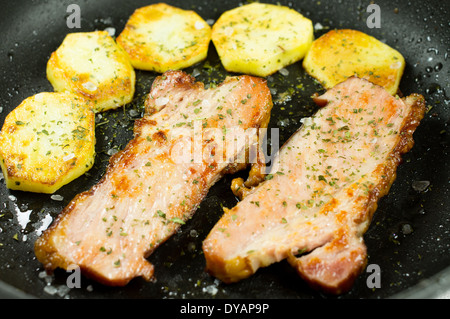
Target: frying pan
[409,238]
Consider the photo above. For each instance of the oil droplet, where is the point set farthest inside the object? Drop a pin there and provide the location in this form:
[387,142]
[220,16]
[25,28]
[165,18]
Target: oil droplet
[393,237]
[45,222]
[11,55]
[23,218]
[193,233]
[436,51]
[434,88]
[438,67]
[191,247]
[407,229]
[420,186]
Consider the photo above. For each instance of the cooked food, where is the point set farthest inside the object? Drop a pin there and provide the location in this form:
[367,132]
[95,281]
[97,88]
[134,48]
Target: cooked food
[317,202]
[93,65]
[339,54]
[260,39]
[156,183]
[160,37]
[47,141]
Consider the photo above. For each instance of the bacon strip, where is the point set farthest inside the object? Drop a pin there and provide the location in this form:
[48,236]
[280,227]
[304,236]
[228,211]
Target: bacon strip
[156,183]
[316,204]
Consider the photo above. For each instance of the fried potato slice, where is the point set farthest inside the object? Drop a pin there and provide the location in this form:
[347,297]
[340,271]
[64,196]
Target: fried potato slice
[160,37]
[47,141]
[339,54]
[93,65]
[260,39]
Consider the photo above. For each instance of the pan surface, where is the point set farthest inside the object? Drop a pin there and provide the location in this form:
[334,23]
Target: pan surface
[409,238]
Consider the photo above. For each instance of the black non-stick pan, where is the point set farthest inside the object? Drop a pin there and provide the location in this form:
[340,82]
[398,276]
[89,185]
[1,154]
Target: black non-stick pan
[409,238]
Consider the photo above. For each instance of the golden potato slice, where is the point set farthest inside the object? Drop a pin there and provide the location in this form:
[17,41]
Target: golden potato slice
[160,37]
[339,54]
[47,141]
[260,39]
[93,65]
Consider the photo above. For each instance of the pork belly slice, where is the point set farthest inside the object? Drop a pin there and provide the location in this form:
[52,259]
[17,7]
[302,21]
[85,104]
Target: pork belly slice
[155,184]
[318,200]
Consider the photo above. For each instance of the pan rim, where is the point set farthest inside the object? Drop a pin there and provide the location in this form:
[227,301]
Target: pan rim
[435,287]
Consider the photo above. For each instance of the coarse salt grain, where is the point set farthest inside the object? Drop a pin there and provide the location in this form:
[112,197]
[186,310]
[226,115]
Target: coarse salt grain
[284,72]
[39,97]
[161,101]
[211,289]
[111,151]
[68,157]
[228,31]
[133,113]
[111,31]
[57,197]
[206,103]
[199,25]
[307,121]
[51,290]
[396,65]
[89,86]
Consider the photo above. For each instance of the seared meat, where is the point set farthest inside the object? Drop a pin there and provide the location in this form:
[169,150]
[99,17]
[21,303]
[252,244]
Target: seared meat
[180,149]
[317,202]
